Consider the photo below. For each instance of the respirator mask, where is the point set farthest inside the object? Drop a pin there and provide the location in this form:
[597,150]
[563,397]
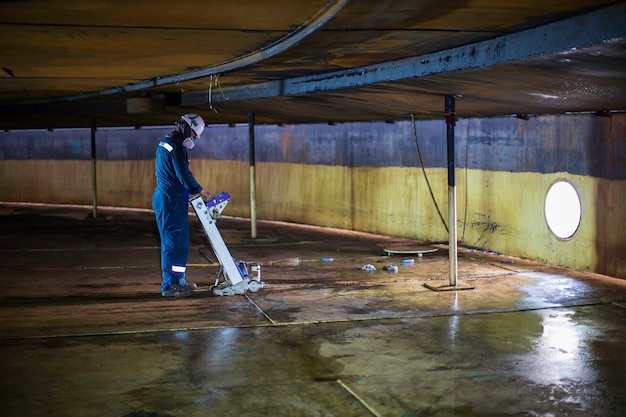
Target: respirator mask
[189,143]
[194,126]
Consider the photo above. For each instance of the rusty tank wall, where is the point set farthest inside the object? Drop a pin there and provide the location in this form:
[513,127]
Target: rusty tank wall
[367,177]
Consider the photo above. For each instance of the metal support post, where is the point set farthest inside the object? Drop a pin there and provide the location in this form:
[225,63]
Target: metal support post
[253,231]
[93,169]
[450,115]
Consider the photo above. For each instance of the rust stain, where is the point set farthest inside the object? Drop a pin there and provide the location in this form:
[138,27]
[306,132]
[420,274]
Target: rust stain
[287,142]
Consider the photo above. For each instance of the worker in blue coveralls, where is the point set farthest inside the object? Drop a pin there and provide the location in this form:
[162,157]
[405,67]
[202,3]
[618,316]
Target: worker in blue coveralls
[175,184]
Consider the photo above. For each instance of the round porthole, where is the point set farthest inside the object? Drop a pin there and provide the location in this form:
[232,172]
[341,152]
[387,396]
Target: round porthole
[563,209]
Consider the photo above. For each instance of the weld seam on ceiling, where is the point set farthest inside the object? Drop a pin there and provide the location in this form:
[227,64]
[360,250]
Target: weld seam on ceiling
[140,28]
[595,27]
[330,10]
[416,29]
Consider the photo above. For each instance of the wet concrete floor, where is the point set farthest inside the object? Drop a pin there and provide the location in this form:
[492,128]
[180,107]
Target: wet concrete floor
[84,330]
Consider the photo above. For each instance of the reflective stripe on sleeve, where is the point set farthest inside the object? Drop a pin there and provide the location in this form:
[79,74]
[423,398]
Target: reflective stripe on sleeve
[167,146]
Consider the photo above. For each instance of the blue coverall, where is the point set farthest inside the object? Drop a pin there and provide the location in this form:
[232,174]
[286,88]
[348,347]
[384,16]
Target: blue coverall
[175,183]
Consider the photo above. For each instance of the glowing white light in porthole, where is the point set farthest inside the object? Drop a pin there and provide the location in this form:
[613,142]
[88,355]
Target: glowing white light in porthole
[563,209]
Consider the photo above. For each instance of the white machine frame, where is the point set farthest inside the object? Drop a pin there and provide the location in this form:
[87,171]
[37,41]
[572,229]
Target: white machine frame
[237,279]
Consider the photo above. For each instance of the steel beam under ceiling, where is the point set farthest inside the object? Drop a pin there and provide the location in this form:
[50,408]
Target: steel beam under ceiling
[603,25]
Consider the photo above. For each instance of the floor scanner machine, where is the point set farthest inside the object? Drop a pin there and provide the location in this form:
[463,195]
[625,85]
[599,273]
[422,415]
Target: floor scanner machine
[236,277]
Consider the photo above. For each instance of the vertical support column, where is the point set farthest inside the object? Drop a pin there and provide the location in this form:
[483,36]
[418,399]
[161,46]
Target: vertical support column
[253,232]
[450,115]
[93,169]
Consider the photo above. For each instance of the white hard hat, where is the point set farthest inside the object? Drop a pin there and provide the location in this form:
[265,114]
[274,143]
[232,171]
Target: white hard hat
[195,122]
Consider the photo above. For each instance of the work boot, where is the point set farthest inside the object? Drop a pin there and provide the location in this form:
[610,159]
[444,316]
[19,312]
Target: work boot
[179,291]
[189,286]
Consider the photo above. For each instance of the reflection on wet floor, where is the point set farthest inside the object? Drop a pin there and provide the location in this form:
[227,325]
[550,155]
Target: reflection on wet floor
[85,332]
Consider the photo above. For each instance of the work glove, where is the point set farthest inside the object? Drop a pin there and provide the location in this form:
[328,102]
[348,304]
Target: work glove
[205,195]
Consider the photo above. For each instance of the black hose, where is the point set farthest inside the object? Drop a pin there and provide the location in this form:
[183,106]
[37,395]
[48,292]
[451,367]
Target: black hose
[419,155]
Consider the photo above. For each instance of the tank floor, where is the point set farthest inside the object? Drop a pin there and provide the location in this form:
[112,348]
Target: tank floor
[84,330]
